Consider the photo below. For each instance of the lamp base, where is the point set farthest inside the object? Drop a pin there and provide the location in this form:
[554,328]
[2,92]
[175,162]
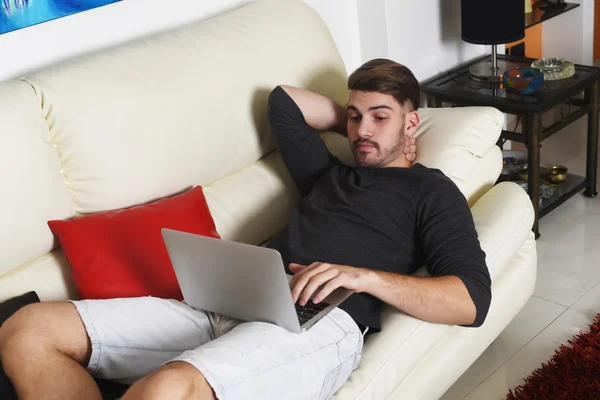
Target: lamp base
[483,72]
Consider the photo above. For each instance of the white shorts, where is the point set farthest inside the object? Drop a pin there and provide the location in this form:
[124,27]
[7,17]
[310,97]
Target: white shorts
[241,360]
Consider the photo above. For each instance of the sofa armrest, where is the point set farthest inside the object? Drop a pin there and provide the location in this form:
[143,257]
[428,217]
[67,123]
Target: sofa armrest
[503,219]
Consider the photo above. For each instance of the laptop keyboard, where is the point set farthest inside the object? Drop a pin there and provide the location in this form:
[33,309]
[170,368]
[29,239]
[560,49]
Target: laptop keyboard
[308,311]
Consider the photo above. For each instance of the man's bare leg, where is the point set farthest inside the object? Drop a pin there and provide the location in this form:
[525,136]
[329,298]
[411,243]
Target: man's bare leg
[43,348]
[173,381]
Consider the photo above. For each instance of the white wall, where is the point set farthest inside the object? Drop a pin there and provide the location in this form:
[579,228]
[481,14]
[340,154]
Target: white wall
[423,35]
[372,26]
[341,16]
[571,35]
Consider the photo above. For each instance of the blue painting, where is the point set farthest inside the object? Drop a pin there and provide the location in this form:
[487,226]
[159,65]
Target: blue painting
[18,14]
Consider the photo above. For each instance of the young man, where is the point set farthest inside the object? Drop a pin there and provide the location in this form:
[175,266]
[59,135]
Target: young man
[366,228]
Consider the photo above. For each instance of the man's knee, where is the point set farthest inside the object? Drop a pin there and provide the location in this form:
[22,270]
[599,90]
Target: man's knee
[45,326]
[177,380]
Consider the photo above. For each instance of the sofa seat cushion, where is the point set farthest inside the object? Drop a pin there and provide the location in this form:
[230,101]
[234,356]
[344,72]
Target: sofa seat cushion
[121,253]
[49,275]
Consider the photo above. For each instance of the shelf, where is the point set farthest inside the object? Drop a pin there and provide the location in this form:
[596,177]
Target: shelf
[538,14]
[562,191]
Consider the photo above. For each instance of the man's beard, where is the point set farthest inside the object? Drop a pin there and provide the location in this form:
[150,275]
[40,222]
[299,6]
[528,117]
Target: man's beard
[381,158]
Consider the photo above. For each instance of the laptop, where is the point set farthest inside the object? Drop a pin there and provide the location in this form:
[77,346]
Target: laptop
[241,281]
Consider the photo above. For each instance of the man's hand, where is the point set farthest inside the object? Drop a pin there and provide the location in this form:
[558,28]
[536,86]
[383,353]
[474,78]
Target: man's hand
[443,299]
[308,279]
[410,148]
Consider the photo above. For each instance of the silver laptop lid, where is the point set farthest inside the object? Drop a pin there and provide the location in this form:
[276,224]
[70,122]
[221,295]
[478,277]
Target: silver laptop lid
[233,279]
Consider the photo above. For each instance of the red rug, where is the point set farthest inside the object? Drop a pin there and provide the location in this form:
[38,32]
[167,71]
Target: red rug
[573,373]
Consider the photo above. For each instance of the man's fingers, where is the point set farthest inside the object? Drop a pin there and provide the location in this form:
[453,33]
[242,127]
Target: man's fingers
[300,280]
[410,150]
[329,287]
[314,283]
[299,271]
[296,267]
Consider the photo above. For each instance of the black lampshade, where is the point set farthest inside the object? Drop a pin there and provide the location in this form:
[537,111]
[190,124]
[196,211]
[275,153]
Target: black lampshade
[497,22]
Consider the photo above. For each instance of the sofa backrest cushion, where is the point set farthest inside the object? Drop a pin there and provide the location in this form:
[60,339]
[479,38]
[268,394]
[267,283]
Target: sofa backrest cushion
[155,116]
[455,139]
[32,189]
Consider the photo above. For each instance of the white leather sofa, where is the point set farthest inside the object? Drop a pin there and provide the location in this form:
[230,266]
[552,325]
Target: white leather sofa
[150,118]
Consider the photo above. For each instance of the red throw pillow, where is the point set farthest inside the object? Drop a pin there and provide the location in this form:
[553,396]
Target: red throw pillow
[121,253]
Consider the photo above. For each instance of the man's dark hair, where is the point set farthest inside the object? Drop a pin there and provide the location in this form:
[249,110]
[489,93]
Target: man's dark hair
[389,77]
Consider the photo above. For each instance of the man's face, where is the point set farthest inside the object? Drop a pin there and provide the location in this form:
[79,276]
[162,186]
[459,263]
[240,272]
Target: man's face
[376,129]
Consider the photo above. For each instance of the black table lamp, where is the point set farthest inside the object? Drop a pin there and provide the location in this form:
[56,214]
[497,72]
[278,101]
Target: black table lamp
[500,22]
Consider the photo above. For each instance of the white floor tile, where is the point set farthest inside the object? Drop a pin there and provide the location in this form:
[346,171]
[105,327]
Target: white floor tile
[540,349]
[559,226]
[587,204]
[568,254]
[533,318]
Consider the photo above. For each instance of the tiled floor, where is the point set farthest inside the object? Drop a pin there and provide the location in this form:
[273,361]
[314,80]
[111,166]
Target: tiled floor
[566,299]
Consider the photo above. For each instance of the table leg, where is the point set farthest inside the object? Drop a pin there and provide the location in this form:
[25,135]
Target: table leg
[433,102]
[500,143]
[532,126]
[591,97]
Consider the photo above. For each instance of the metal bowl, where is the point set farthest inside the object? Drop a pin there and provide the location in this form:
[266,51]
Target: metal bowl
[557,174]
[524,174]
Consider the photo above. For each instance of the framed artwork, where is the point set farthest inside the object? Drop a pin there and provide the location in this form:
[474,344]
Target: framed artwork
[19,14]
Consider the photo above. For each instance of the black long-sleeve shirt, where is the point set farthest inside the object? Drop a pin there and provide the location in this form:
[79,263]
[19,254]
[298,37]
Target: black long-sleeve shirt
[388,219]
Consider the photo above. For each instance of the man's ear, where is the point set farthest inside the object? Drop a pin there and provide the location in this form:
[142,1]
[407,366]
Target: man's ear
[411,123]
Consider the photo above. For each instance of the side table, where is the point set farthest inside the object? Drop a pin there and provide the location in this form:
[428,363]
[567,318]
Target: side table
[457,88]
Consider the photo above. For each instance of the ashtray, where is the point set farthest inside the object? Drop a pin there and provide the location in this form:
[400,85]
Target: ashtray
[557,174]
[555,68]
[523,80]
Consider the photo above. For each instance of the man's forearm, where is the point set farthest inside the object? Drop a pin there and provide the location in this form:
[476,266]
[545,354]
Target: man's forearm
[443,300]
[320,112]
